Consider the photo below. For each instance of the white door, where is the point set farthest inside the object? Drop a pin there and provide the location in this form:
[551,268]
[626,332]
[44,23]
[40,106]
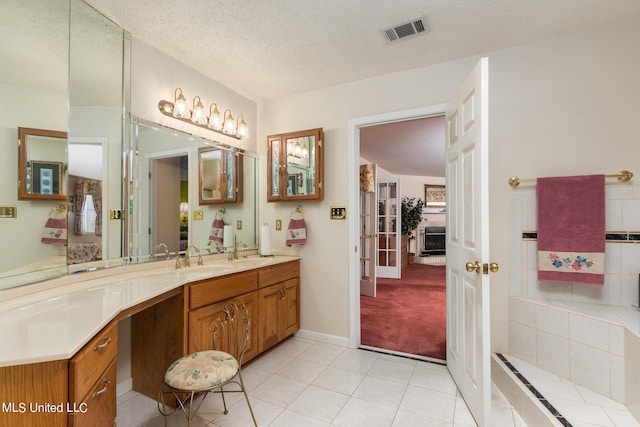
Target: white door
[389,228]
[368,221]
[468,343]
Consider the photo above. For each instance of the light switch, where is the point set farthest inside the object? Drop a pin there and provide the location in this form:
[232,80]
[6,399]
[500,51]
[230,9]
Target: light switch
[8,212]
[198,215]
[278,224]
[338,212]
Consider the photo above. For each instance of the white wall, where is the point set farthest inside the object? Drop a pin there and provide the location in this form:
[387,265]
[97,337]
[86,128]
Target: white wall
[559,107]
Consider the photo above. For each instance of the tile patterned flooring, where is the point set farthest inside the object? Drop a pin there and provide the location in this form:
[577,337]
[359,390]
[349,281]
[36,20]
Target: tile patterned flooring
[308,383]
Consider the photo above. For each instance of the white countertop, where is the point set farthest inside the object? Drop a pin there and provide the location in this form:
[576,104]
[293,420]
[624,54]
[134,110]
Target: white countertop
[55,323]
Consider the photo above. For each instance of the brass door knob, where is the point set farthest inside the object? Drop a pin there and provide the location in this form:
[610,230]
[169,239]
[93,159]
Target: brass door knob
[471,267]
[494,267]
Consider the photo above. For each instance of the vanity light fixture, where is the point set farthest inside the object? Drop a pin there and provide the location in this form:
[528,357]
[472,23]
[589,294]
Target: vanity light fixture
[224,124]
[229,127]
[243,129]
[215,119]
[199,115]
[180,106]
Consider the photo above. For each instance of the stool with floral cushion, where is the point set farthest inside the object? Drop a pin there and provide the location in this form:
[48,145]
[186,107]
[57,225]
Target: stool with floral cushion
[196,375]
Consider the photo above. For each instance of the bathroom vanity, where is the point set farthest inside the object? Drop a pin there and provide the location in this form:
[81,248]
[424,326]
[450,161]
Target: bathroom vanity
[60,346]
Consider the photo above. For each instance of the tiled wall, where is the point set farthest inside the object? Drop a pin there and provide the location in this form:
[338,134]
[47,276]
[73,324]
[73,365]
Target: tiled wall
[622,260]
[580,332]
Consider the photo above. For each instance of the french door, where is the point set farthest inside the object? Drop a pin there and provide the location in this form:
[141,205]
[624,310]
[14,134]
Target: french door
[368,226]
[389,227]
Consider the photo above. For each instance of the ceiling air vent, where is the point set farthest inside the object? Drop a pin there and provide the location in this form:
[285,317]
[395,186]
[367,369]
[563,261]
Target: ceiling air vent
[407,29]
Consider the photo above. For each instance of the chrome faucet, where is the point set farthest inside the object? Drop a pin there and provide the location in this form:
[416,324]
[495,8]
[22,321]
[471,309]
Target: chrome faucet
[187,263]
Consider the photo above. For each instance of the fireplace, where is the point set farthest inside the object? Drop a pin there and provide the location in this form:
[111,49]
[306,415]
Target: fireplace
[434,238]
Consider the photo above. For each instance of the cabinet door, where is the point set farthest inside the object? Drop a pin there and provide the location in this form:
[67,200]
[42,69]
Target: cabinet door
[275,167]
[201,338]
[268,300]
[296,166]
[289,314]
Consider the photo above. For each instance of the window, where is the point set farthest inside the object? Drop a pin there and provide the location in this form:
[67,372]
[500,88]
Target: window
[88,215]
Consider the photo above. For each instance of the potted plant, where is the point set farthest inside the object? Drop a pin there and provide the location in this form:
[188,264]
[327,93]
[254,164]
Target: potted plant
[411,216]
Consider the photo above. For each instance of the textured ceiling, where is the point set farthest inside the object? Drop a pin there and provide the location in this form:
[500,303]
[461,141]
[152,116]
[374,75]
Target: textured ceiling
[412,147]
[272,48]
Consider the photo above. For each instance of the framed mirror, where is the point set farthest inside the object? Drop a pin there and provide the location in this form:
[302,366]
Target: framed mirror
[180,211]
[219,175]
[296,166]
[42,160]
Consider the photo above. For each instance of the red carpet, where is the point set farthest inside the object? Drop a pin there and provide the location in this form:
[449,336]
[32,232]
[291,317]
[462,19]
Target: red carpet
[408,314]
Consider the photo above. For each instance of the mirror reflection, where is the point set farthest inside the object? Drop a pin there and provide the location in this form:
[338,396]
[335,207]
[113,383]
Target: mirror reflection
[62,70]
[220,175]
[42,160]
[198,190]
[300,165]
[86,200]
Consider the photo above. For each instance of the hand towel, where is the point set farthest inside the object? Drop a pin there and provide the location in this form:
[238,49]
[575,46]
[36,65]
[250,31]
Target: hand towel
[217,229]
[296,232]
[55,228]
[571,229]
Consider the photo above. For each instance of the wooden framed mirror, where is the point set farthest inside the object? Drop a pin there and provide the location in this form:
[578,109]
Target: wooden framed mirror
[296,166]
[219,176]
[42,161]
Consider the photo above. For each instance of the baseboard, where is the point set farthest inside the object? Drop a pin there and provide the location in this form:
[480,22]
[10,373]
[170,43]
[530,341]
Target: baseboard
[324,338]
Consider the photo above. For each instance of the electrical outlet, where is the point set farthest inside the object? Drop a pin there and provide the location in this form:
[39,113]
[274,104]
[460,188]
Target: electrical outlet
[278,224]
[239,224]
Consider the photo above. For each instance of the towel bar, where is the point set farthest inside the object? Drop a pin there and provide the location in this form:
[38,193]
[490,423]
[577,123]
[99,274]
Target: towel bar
[622,176]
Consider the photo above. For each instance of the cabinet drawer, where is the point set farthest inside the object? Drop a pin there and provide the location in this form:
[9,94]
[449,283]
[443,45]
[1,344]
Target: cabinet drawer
[268,276]
[89,364]
[222,288]
[98,408]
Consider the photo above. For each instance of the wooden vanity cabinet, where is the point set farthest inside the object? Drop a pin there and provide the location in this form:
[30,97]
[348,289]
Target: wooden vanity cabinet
[279,303]
[207,300]
[92,381]
[22,385]
[271,294]
[201,338]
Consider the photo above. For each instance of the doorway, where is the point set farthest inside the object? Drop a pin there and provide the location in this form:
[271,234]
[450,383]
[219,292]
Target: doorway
[358,127]
[169,200]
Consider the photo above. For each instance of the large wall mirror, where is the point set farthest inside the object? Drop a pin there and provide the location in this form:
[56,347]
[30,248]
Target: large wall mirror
[62,71]
[182,186]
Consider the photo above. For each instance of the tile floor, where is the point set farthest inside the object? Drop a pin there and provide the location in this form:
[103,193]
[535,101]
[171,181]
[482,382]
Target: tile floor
[579,405]
[307,383]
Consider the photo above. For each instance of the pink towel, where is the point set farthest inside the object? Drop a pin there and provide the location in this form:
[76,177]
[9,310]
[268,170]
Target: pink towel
[217,230]
[297,232]
[571,234]
[55,229]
